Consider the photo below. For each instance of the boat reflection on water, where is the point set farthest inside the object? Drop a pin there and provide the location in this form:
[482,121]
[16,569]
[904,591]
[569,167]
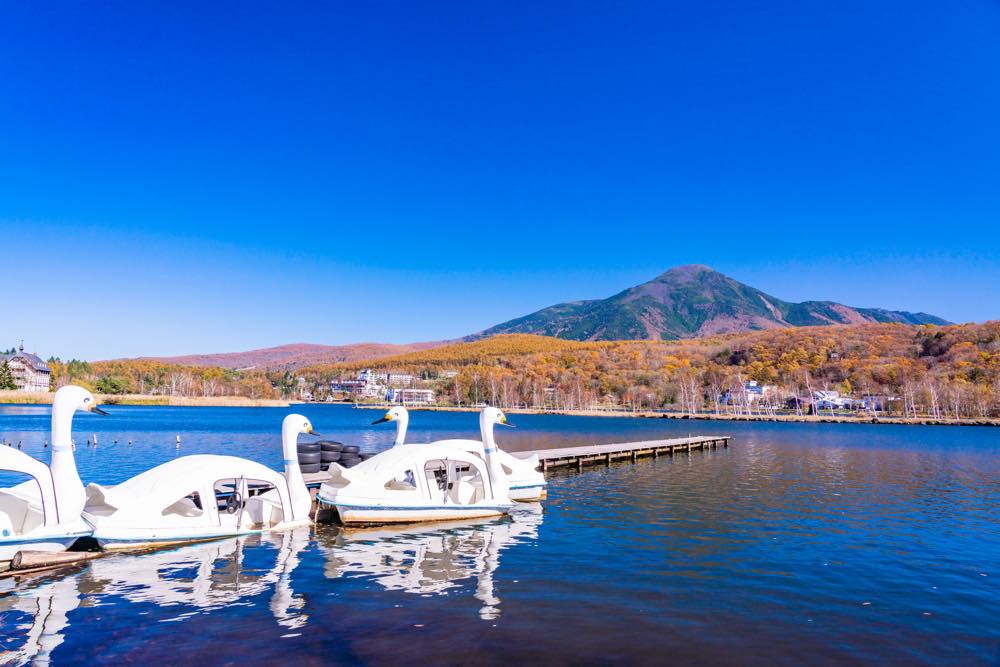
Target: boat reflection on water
[205,576]
[432,559]
[38,612]
[197,577]
[43,609]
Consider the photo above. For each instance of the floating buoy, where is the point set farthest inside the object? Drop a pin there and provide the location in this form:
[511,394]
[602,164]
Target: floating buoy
[178,446]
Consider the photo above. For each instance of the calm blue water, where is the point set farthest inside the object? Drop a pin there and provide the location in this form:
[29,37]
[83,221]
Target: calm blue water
[800,543]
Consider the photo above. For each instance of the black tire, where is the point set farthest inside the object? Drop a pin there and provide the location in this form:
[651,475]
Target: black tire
[308,447]
[366,455]
[329,457]
[309,467]
[330,446]
[351,449]
[310,457]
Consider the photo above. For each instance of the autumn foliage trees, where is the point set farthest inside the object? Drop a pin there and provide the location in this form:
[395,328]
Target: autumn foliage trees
[937,371]
[942,372]
[141,376]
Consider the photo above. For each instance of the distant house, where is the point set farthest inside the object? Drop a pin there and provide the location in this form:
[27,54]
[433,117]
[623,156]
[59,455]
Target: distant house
[878,402]
[415,396]
[749,393]
[387,378]
[366,385]
[832,400]
[29,371]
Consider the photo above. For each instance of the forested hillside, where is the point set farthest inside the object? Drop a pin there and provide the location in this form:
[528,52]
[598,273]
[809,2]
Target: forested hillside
[941,371]
[931,370]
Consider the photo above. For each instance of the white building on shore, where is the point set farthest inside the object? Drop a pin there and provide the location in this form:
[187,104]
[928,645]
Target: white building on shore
[415,396]
[30,372]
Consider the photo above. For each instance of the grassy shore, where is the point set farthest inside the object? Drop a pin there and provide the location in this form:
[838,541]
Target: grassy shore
[30,398]
[704,416]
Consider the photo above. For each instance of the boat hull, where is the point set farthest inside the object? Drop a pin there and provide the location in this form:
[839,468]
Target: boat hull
[527,493]
[49,543]
[354,515]
[145,539]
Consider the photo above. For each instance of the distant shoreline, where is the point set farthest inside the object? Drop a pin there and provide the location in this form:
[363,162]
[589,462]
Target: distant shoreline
[710,416]
[36,398]
[30,398]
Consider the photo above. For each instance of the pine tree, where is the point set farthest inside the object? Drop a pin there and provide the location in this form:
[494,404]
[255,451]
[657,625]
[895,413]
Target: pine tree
[6,377]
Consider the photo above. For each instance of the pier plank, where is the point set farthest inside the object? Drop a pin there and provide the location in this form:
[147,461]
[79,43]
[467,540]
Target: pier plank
[593,454]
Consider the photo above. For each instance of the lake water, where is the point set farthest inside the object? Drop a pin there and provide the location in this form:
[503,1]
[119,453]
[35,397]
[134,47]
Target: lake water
[801,543]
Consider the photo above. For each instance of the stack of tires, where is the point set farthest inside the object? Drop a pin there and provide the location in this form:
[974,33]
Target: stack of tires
[310,457]
[349,456]
[330,452]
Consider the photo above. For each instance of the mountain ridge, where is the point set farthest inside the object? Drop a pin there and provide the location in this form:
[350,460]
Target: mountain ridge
[294,355]
[687,302]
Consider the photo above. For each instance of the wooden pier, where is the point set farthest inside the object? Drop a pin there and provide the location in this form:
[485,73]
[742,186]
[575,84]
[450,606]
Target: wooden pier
[577,457]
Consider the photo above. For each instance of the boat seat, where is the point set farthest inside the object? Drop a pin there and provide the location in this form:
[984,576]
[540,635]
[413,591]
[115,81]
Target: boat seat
[265,509]
[7,528]
[97,495]
[399,485]
[184,507]
[14,511]
[464,491]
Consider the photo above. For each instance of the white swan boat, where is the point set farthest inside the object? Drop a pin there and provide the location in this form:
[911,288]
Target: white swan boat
[526,483]
[43,513]
[176,501]
[409,483]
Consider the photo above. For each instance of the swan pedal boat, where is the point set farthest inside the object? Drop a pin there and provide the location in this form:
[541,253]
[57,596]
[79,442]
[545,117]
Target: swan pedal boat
[412,483]
[43,513]
[177,501]
[525,482]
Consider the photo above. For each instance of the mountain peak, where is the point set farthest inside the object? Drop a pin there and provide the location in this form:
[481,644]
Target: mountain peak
[688,301]
[686,273]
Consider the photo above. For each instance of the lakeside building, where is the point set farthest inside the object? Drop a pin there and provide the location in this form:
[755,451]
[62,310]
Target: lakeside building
[751,392]
[30,372]
[415,396]
[376,384]
[387,378]
[358,388]
[832,400]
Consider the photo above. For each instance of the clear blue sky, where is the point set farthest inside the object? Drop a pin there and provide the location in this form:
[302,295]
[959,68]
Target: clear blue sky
[223,176]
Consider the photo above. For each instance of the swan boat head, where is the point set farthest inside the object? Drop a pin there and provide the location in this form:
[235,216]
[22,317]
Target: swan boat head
[45,511]
[399,415]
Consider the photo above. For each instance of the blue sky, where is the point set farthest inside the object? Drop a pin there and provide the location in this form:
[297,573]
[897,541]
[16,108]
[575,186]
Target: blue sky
[223,176]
